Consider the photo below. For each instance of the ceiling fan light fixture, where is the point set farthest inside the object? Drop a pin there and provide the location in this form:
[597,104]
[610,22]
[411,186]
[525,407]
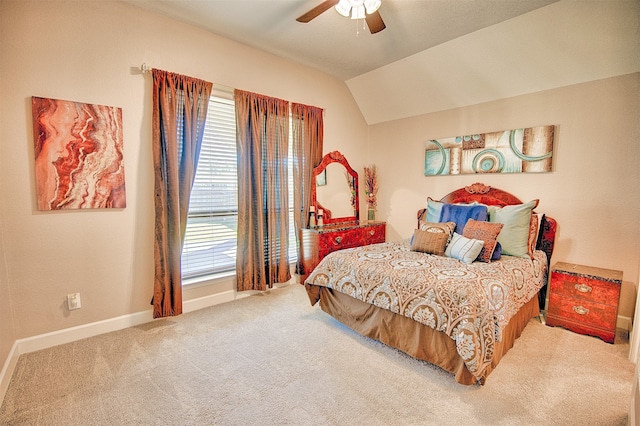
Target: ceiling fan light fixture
[357,12]
[343,8]
[372,5]
[358,8]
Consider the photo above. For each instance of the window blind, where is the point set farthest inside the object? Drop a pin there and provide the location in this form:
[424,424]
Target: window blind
[211,237]
[210,240]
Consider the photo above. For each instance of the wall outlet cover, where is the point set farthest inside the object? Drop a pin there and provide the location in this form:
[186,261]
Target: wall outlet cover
[73,301]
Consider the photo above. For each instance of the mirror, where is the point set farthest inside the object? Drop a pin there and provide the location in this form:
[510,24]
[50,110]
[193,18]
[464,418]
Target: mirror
[335,190]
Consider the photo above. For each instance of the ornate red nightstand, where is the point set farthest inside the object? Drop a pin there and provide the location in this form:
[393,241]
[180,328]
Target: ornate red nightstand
[584,299]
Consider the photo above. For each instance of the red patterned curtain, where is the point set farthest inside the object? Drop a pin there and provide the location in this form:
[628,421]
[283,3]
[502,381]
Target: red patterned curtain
[179,113]
[263,206]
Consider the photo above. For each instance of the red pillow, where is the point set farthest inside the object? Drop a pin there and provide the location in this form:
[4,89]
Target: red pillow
[485,231]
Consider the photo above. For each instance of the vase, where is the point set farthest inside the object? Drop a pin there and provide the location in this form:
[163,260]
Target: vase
[371,214]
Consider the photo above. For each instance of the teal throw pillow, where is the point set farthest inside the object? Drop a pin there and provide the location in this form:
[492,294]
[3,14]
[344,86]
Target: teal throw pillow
[514,237]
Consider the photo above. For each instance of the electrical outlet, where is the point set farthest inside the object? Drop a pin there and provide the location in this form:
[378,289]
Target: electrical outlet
[73,301]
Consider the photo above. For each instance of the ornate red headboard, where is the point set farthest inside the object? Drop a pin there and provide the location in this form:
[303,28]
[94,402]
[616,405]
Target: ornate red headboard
[481,193]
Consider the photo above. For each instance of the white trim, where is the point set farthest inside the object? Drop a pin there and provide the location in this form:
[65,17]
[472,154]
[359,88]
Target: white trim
[634,343]
[8,369]
[71,334]
[623,322]
[207,280]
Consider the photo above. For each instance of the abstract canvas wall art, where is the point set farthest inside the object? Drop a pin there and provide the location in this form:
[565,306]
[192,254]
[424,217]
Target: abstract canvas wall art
[510,151]
[79,161]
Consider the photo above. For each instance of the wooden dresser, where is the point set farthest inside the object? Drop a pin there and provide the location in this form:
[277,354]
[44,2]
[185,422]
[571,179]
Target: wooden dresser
[317,242]
[584,299]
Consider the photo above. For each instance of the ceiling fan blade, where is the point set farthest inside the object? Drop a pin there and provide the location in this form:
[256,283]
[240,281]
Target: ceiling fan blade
[375,22]
[313,13]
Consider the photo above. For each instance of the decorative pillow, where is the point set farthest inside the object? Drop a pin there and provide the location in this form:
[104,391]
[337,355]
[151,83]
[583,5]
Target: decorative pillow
[460,213]
[534,229]
[541,223]
[497,252]
[463,248]
[429,242]
[514,237]
[485,231]
[430,237]
[433,210]
[446,227]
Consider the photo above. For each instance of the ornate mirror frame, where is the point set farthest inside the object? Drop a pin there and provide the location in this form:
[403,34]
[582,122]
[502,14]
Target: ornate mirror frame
[330,158]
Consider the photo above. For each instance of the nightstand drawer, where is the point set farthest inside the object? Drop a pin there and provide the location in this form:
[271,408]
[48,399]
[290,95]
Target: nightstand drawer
[338,240]
[582,311]
[585,288]
[356,237]
[374,234]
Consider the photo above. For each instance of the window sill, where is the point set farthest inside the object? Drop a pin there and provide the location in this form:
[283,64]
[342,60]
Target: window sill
[207,279]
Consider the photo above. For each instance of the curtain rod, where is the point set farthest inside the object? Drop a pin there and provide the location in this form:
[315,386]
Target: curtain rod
[145,69]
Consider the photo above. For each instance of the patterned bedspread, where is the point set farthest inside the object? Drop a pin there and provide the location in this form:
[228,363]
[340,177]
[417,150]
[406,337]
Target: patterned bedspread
[470,303]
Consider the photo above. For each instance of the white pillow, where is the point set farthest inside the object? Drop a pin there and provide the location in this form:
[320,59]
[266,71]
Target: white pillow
[463,248]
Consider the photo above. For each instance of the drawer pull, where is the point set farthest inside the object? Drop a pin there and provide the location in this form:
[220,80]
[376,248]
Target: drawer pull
[580,310]
[582,288]
[372,232]
[338,240]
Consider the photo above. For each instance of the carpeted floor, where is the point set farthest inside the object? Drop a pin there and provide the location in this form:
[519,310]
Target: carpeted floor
[272,359]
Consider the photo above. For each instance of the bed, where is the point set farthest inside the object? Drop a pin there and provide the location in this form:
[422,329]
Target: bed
[462,315]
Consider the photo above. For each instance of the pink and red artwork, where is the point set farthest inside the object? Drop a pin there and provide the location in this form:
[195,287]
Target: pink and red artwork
[79,160]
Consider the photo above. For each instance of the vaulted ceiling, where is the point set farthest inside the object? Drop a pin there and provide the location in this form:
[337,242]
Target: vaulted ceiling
[333,43]
[434,54]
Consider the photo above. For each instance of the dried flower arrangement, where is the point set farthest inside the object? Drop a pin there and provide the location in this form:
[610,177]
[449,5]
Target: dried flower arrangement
[371,185]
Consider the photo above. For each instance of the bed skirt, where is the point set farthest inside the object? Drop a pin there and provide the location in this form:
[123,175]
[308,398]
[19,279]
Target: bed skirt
[418,340]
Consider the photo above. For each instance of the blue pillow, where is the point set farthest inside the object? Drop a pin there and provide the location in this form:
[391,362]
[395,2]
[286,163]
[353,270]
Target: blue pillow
[460,214]
[497,252]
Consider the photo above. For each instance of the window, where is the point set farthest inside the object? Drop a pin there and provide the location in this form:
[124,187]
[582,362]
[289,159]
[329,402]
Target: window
[211,238]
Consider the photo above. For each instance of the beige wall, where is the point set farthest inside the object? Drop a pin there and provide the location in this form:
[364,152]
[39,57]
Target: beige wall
[592,192]
[7,329]
[91,52]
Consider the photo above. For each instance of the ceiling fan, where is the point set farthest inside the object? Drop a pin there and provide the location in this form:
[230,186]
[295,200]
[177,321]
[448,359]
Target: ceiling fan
[367,9]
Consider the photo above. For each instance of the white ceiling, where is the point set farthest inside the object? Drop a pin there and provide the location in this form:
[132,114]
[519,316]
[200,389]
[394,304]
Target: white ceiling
[565,43]
[434,54]
[331,42]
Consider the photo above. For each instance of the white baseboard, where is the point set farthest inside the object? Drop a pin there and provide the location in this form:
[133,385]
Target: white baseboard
[7,370]
[67,335]
[624,323]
